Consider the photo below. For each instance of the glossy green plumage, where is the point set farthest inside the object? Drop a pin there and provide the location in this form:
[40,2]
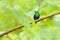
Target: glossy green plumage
[36,15]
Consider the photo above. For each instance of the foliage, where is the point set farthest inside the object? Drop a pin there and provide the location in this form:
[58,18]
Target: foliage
[20,12]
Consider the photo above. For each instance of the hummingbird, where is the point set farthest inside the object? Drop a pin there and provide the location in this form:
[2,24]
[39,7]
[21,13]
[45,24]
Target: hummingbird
[36,15]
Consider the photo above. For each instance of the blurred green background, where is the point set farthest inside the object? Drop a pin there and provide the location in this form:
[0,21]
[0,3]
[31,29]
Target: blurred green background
[16,12]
